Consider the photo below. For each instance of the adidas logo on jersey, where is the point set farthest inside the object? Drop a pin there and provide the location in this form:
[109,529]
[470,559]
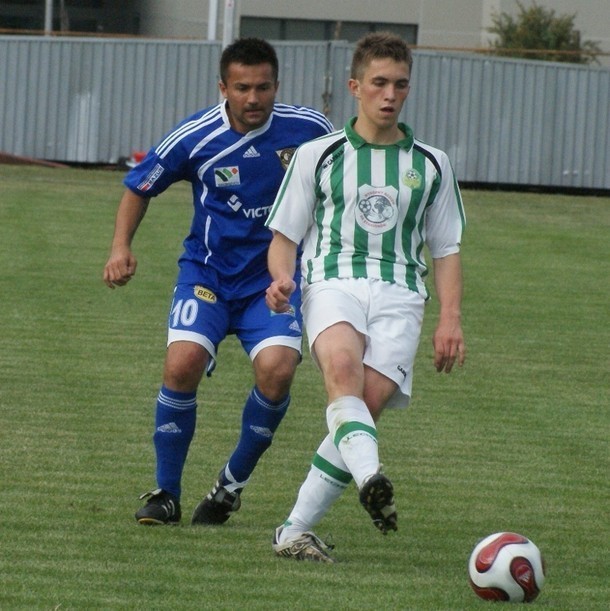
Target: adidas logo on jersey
[251,152]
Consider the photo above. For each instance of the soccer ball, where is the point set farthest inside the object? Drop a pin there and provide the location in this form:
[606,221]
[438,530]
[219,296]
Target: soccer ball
[506,566]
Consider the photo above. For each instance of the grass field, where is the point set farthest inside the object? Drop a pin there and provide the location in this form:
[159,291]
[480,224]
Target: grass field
[516,440]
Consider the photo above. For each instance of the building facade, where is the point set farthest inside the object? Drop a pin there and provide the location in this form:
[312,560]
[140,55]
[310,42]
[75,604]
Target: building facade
[425,23]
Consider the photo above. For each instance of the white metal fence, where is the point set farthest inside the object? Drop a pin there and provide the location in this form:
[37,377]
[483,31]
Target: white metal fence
[500,120]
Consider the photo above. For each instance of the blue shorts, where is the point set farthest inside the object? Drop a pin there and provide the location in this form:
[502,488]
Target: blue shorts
[199,315]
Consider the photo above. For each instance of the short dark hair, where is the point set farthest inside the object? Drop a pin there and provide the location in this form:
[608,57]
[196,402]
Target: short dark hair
[250,52]
[379,45]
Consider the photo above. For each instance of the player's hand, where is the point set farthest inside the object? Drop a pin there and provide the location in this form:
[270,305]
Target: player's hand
[449,346]
[278,294]
[120,268]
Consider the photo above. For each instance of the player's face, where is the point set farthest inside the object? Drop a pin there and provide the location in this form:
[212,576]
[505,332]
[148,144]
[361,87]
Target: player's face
[381,92]
[250,94]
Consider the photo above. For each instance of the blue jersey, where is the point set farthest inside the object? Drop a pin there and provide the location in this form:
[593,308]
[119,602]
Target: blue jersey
[235,178]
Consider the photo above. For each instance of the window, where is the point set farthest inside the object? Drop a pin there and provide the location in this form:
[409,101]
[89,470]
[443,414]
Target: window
[117,16]
[311,29]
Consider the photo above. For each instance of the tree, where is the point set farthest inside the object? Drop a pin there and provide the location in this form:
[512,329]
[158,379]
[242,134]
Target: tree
[537,33]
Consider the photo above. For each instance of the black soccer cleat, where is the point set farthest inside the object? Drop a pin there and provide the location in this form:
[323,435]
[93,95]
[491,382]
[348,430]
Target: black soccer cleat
[377,497]
[217,506]
[161,508]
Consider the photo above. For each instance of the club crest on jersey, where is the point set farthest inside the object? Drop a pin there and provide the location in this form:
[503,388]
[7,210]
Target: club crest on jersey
[227,177]
[377,209]
[205,294]
[285,156]
[412,179]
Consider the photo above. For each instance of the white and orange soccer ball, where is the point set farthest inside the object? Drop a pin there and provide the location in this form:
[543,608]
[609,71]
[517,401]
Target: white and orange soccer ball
[506,566]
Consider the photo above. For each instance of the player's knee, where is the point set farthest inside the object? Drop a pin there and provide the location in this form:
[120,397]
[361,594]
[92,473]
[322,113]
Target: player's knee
[275,384]
[274,372]
[343,369]
[184,366]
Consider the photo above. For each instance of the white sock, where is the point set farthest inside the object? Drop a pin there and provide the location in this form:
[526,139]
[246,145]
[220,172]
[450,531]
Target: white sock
[353,431]
[328,477]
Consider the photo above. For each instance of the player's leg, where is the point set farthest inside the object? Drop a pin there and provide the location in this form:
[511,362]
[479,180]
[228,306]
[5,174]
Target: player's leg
[274,345]
[336,318]
[327,308]
[274,369]
[340,321]
[189,354]
[393,337]
[326,481]
[339,351]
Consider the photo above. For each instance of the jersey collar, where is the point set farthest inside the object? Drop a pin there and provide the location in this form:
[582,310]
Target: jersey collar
[251,134]
[358,141]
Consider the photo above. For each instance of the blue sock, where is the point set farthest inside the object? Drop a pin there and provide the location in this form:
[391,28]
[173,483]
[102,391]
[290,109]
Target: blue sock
[260,420]
[174,428]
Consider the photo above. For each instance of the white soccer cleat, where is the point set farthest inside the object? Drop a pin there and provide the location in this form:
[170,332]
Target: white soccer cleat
[305,547]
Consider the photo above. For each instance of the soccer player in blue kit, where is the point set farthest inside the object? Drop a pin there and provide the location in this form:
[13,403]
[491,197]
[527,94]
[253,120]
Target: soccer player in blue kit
[235,155]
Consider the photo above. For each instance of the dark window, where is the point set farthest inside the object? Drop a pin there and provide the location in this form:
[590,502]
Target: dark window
[311,29]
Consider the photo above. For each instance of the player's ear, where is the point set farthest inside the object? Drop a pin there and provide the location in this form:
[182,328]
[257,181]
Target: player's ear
[354,87]
[222,88]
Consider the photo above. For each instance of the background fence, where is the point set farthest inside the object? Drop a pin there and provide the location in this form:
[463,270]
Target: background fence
[504,121]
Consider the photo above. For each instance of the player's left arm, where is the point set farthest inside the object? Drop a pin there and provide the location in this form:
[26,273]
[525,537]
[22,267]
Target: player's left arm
[448,338]
[445,221]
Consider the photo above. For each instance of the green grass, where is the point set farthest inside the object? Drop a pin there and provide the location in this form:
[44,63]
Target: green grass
[516,440]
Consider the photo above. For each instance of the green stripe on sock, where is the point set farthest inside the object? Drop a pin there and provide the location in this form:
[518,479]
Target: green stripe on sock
[330,470]
[350,427]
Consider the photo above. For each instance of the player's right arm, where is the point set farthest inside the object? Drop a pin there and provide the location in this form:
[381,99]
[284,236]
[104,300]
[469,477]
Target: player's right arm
[281,261]
[121,264]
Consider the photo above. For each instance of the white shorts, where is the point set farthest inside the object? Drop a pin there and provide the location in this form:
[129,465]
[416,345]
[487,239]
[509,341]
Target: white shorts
[388,315]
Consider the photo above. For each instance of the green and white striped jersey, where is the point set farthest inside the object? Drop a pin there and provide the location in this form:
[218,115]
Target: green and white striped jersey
[366,211]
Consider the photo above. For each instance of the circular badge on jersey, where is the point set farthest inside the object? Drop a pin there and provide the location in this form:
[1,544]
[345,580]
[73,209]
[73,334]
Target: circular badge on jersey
[285,156]
[377,210]
[412,179]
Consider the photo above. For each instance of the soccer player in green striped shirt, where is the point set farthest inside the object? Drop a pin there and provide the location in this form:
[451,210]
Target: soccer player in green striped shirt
[363,202]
